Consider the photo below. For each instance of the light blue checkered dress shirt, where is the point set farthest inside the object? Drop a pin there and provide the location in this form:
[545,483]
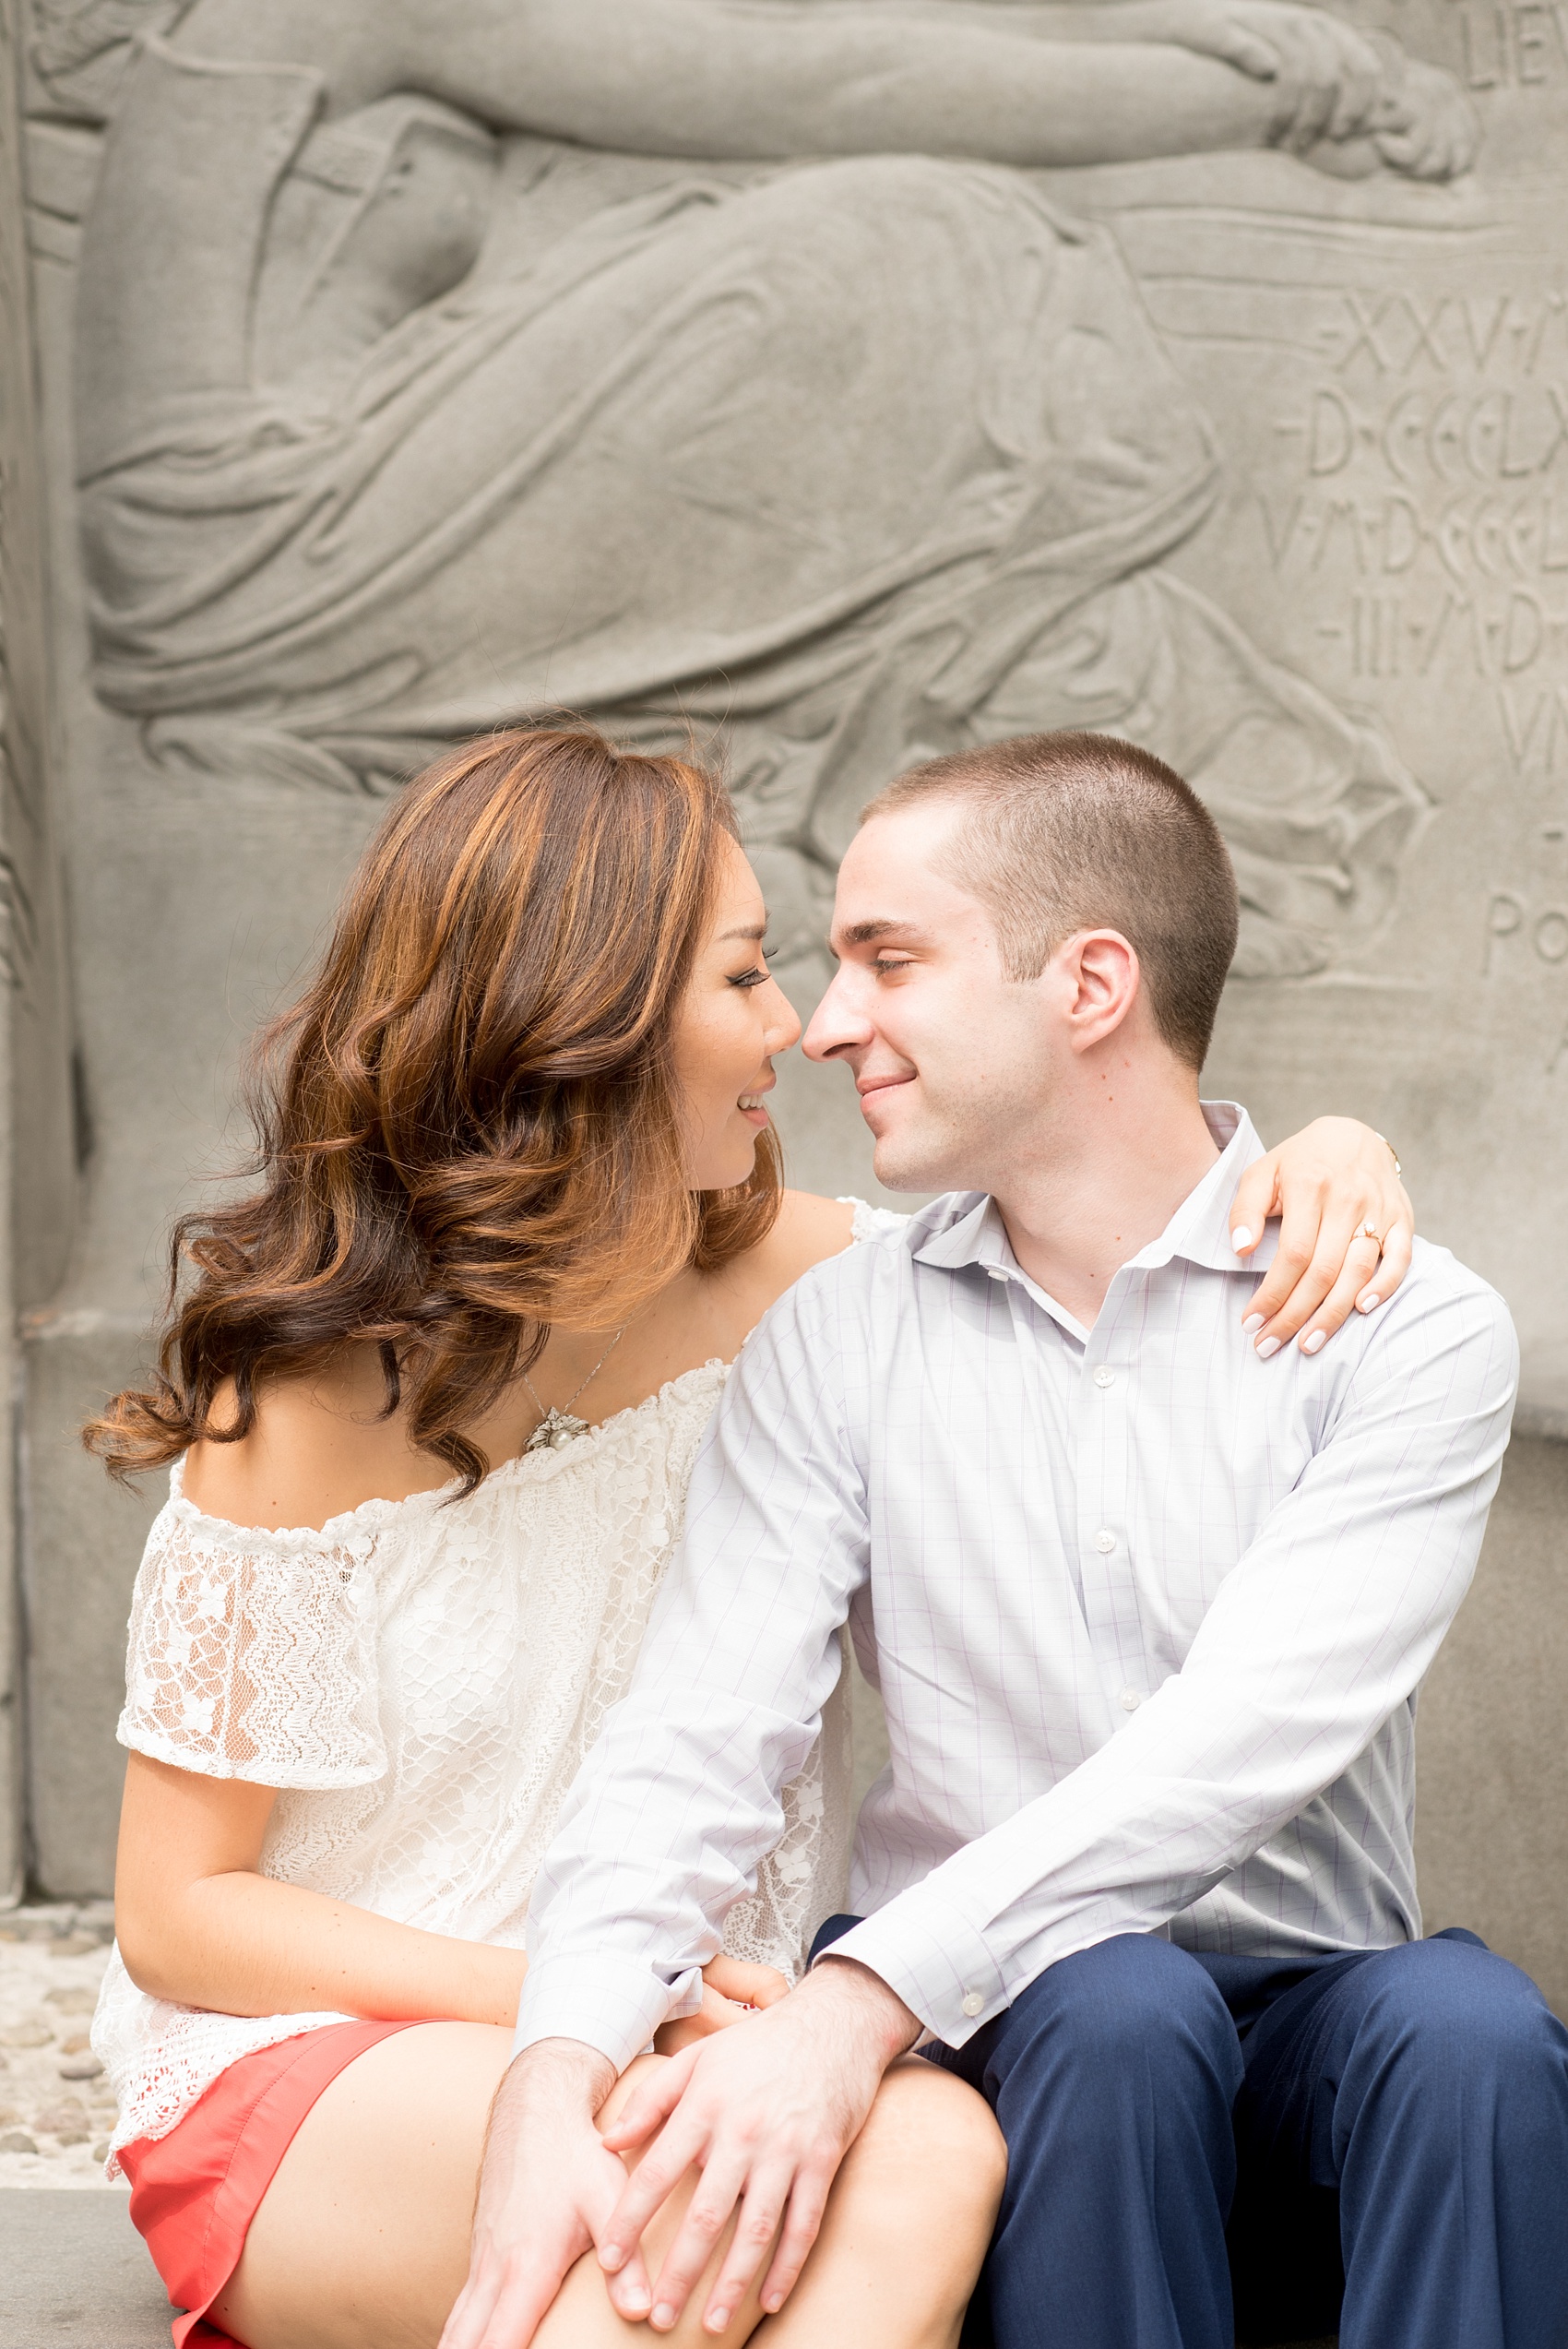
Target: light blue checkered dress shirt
[1149,1617]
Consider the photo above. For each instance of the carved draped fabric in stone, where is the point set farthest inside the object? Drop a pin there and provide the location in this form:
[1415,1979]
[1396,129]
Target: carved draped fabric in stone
[865,459]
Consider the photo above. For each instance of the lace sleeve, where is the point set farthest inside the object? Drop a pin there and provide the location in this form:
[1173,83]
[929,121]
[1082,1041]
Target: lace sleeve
[253,1654]
[805,1877]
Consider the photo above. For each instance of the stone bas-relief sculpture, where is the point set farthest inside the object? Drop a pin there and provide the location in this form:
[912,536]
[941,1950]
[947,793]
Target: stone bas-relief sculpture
[406,400]
[859,460]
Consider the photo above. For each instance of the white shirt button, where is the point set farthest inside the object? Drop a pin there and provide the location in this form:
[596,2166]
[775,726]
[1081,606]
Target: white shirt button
[1130,1699]
[1105,1541]
[973,2004]
[1104,1375]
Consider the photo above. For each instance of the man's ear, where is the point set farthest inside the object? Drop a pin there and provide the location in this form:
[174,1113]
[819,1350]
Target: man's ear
[1101,970]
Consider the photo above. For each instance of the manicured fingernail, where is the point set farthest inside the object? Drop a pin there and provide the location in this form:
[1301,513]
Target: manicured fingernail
[1310,1345]
[1240,1238]
[610,2257]
[662,2318]
[1266,1347]
[773,2303]
[634,2301]
[1253,1322]
[1368,1301]
[718,2319]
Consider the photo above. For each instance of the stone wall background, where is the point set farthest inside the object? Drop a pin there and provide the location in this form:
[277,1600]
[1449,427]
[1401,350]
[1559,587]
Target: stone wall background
[37,1153]
[1385,370]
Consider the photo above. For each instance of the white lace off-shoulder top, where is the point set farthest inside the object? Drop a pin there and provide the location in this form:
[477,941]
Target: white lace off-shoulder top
[421,1680]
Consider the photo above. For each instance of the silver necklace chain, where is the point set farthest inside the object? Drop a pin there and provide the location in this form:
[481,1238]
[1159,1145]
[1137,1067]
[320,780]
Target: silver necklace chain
[558,1424]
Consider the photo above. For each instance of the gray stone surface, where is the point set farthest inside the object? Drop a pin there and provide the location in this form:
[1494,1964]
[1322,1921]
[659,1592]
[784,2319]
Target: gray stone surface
[57,2109]
[74,2274]
[37,1177]
[1491,1811]
[843,461]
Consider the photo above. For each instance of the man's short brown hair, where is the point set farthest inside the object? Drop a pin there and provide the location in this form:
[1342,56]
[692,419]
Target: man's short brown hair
[1065,832]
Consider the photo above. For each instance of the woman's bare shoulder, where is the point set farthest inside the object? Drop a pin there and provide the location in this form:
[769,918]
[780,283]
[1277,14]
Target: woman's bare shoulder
[810,1229]
[319,1445]
[807,1230]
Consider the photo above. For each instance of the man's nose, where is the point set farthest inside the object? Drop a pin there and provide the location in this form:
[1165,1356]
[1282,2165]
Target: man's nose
[837,1023]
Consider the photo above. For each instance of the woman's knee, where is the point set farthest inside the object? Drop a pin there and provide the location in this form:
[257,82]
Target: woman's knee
[930,2138]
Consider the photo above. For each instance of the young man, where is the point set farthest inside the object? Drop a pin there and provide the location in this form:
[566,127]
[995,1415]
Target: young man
[1149,1620]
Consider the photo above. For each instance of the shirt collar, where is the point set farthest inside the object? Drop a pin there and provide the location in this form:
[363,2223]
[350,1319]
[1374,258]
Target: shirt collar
[966,1227]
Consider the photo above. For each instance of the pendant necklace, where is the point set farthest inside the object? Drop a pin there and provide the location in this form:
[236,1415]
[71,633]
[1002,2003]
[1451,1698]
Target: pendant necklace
[558,1426]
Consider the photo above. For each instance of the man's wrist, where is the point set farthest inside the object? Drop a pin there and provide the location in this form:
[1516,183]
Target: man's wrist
[894,2027]
[566,2072]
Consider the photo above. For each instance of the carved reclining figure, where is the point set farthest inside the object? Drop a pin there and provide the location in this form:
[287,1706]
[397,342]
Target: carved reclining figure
[400,416]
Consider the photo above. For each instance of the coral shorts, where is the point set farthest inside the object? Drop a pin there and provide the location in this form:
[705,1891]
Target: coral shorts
[195,2192]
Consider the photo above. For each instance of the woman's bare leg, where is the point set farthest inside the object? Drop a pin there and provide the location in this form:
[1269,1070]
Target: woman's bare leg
[362,2236]
[361,2241]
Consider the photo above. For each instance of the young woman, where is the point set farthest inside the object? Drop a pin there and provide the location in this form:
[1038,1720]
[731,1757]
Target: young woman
[430,1403]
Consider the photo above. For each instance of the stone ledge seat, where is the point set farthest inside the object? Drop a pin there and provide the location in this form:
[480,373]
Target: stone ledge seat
[73,2275]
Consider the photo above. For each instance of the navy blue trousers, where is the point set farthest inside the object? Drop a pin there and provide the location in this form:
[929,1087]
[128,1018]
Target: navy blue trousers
[1206,2149]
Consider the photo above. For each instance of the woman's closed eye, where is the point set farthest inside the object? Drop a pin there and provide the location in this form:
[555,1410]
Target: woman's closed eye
[755,973]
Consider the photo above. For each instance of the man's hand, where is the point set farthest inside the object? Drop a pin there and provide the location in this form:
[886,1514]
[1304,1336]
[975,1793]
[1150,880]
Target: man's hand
[768,2113]
[546,2193]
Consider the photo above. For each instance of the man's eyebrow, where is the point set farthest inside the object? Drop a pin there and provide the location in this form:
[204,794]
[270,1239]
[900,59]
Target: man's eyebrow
[867,933]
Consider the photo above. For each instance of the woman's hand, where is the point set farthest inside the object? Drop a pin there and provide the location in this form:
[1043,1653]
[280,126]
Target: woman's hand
[730,1991]
[1332,1184]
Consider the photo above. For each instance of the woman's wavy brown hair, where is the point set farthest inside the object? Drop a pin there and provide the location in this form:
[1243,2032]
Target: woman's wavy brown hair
[469,1128]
